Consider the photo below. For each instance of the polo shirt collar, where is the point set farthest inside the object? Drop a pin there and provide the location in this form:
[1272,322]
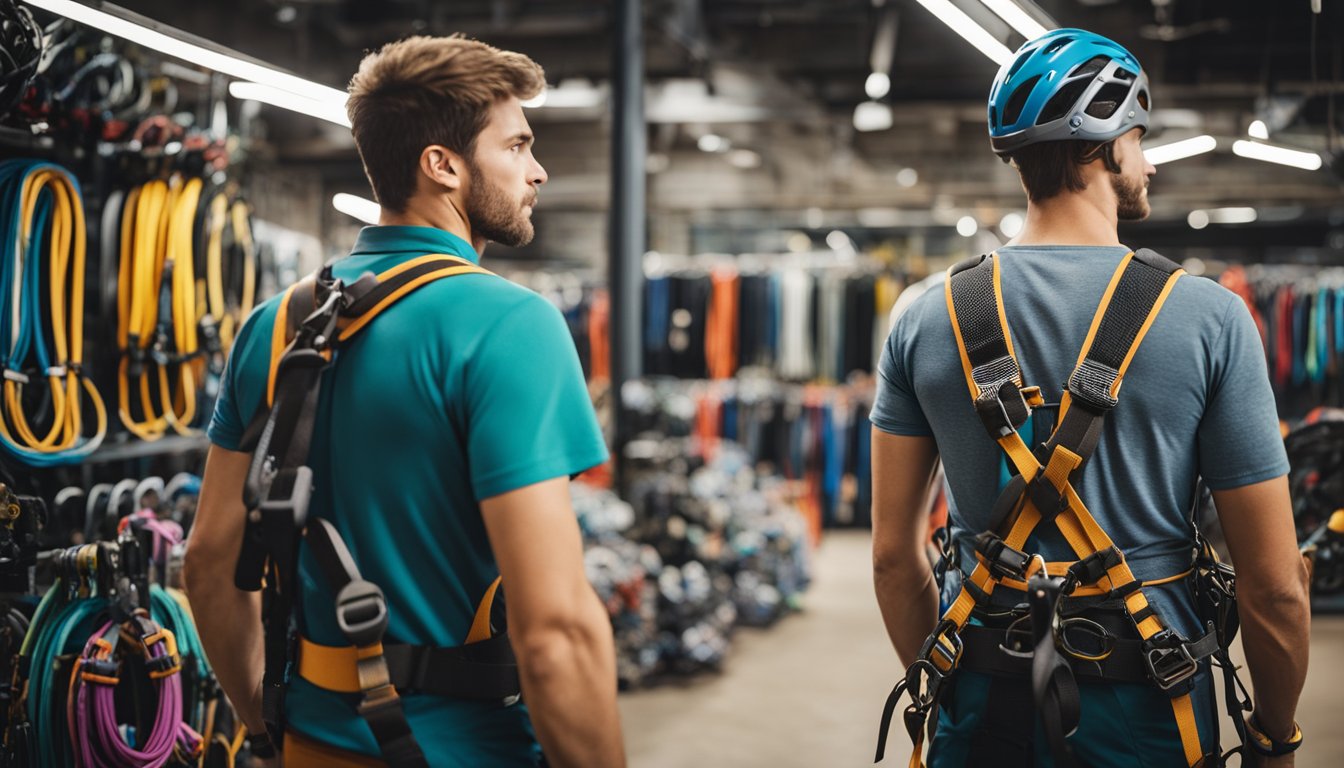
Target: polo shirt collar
[379,240]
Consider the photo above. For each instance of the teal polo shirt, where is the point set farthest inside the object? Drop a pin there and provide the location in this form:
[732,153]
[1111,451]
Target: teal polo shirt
[467,388]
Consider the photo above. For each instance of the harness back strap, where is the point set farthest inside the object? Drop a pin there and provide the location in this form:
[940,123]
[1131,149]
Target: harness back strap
[1133,298]
[313,318]
[1043,486]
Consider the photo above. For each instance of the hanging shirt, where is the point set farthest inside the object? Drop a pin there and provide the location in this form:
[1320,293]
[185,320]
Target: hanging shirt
[1196,401]
[467,389]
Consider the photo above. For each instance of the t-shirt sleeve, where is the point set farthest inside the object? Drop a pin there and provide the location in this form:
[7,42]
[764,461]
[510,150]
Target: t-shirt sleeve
[896,409]
[227,423]
[1239,439]
[529,416]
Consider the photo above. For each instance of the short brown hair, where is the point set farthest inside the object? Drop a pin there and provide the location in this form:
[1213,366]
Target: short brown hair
[1050,168]
[428,90]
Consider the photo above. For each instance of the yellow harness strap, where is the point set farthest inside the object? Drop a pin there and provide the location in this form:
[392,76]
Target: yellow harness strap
[1075,522]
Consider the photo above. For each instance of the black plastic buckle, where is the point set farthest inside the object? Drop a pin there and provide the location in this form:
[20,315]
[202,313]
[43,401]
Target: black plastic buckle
[994,413]
[1090,569]
[942,658]
[361,612]
[297,486]
[1002,560]
[1046,497]
[1168,660]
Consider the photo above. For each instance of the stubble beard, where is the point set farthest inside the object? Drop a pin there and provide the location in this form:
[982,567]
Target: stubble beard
[1131,204]
[495,216]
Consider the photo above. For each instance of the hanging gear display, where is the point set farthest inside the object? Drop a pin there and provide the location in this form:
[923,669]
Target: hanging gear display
[20,53]
[1139,646]
[157,381]
[42,277]
[315,317]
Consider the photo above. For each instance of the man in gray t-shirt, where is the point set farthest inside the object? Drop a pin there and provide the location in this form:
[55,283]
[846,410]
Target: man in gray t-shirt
[1196,402]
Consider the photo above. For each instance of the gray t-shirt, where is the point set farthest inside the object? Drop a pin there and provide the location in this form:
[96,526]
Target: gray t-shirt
[1196,400]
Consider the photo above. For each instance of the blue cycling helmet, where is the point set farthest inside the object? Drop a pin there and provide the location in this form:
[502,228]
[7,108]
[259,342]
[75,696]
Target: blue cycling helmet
[1066,84]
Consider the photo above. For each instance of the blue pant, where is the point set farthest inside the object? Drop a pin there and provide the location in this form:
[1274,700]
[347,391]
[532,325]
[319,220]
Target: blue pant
[1123,725]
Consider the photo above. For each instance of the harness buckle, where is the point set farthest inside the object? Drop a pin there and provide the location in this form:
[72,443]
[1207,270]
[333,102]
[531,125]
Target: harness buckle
[1046,497]
[1002,560]
[361,612]
[942,651]
[998,416]
[1168,659]
[297,486]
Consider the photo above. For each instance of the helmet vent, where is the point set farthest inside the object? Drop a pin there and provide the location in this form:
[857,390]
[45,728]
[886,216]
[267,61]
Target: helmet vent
[1107,100]
[1090,67]
[1123,74]
[994,117]
[1062,102]
[1018,100]
[1143,100]
[1056,45]
[1022,59]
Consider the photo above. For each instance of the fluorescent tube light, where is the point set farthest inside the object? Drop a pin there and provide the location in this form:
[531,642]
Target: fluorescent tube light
[189,52]
[360,208]
[1307,161]
[1258,130]
[1179,150]
[329,110]
[1231,215]
[1017,18]
[971,32]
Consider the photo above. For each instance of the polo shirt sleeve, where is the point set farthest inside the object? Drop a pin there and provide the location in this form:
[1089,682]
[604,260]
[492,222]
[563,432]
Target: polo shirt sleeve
[1239,439]
[896,409]
[529,417]
[227,422]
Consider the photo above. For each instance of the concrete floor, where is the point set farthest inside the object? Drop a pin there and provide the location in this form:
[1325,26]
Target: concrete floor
[809,691]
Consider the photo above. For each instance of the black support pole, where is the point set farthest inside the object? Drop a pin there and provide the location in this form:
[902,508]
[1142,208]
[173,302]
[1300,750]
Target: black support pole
[628,238]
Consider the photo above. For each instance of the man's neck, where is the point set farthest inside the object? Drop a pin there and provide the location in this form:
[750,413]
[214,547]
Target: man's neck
[1070,219]
[443,215]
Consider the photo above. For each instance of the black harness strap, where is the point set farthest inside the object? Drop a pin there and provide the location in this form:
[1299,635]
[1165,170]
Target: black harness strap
[319,313]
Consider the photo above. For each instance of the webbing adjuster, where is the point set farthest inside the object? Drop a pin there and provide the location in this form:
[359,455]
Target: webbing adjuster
[1168,659]
[943,648]
[361,612]
[1002,560]
[1092,568]
[296,489]
[1002,418]
[1047,499]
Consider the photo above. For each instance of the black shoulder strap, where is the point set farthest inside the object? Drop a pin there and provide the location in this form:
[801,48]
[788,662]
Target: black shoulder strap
[314,318]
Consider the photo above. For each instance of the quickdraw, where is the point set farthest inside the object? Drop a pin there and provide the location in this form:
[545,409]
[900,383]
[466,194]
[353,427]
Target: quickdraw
[1042,491]
[42,246]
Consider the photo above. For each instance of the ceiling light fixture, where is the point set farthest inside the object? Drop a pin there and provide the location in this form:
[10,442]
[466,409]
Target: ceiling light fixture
[1258,130]
[712,142]
[744,159]
[1198,219]
[323,110]
[907,177]
[1307,161]
[1179,150]
[1231,215]
[1011,224]
[877,85]
[360,208]
[967,226]
[971,32]
[190,52]
[872,116]
[1016,17]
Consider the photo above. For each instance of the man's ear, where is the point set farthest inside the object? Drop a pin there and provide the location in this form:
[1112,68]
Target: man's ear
[442,166]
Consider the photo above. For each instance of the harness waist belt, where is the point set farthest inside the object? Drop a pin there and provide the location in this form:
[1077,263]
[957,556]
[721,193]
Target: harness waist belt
[477,671]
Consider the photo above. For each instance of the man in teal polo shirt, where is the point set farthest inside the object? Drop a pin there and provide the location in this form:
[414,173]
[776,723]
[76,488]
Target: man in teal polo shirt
[446,437]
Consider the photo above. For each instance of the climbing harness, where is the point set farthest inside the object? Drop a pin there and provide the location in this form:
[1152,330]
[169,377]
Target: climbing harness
[1114,636]
[314,319]
[42,260]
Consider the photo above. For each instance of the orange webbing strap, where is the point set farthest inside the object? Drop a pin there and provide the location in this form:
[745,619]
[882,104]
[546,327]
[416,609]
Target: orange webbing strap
[334,667]
[1075,523]
[480,625]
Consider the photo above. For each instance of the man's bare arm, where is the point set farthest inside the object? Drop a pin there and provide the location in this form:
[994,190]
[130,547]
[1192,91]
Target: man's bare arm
[906,592]
[229,619]
[559,629]
[1271,597]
